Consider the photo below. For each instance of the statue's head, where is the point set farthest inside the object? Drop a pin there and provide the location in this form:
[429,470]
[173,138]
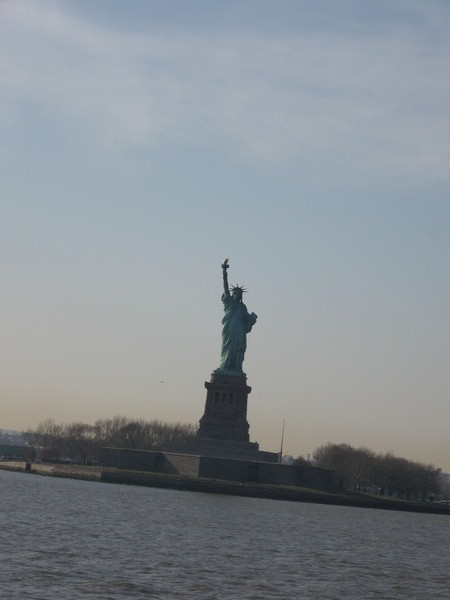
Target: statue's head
[237,292]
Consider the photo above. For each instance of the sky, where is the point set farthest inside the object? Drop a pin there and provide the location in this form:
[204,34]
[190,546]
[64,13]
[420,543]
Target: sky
[306,140]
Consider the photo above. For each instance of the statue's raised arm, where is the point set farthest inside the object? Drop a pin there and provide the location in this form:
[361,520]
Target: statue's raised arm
[225,266]
[237,322]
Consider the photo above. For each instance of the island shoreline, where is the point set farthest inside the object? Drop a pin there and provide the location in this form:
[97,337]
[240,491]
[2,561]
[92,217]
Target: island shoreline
[215,486]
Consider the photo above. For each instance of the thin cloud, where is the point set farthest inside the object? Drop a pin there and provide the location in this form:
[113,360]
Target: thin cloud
[362,100]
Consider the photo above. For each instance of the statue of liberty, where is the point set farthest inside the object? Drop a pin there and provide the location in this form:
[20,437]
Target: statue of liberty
[237,322]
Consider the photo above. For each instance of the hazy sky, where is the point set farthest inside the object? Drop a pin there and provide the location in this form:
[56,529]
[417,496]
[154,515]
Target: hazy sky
[308,141]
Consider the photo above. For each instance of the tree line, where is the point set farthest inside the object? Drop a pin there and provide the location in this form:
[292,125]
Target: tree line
[80,442]
[363,470]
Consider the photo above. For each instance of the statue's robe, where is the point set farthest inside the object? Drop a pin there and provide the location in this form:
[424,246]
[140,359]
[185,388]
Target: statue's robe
[237,322]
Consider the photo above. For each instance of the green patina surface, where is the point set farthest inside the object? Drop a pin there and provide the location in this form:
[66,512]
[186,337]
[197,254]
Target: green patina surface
[236,323]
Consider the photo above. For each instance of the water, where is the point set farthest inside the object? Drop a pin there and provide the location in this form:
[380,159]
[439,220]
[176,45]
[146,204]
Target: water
[64,539]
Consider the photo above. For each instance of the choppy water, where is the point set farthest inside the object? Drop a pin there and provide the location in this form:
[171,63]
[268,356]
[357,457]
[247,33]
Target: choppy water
[66,539]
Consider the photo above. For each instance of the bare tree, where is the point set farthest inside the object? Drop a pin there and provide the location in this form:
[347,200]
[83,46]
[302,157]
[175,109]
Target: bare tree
[360,469]
[80,442]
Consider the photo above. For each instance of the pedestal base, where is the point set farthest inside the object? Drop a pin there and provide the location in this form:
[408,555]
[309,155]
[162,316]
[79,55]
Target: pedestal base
[225,416]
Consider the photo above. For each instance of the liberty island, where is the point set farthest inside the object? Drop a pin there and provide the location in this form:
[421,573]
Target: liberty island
[221,449]
[221,459]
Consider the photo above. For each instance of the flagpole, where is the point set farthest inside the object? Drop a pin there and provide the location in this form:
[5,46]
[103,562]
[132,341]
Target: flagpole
[281,445]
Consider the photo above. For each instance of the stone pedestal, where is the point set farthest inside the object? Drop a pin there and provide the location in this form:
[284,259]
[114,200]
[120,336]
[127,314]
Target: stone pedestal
[225,416]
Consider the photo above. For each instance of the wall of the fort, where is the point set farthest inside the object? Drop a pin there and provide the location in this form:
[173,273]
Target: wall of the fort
[122,458]
[184,464]
[261,472]
[244,471]
[156,462]
[222,449]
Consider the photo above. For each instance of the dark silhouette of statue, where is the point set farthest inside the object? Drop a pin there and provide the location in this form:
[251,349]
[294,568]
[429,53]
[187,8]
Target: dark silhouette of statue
[237,322]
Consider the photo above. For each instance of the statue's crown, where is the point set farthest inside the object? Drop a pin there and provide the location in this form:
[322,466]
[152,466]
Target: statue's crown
[238,287]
